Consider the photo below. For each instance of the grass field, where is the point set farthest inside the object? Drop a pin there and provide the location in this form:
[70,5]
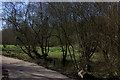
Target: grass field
[55,56]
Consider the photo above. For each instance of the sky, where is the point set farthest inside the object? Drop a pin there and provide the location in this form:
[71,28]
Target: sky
[0,16]
[44,0]
[59,0]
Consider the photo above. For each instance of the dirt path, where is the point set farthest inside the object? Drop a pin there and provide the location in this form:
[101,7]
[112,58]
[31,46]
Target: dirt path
[21,69]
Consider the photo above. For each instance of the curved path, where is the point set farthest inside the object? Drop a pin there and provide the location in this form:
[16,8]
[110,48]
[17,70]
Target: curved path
[21,69]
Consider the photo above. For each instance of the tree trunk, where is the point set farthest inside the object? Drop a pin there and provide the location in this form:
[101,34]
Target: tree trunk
[119,49]
[64,56]
[30,55]
[27,52]
[36,53]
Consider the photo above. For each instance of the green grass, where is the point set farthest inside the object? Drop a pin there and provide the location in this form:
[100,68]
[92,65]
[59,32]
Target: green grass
[55,55]
[54,60]
[14,51]
[55,52]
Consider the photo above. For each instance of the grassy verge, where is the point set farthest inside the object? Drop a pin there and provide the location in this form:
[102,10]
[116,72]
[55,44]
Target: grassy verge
[54,60]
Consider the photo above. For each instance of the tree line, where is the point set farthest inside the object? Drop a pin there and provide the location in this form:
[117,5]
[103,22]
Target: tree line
[87,28]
